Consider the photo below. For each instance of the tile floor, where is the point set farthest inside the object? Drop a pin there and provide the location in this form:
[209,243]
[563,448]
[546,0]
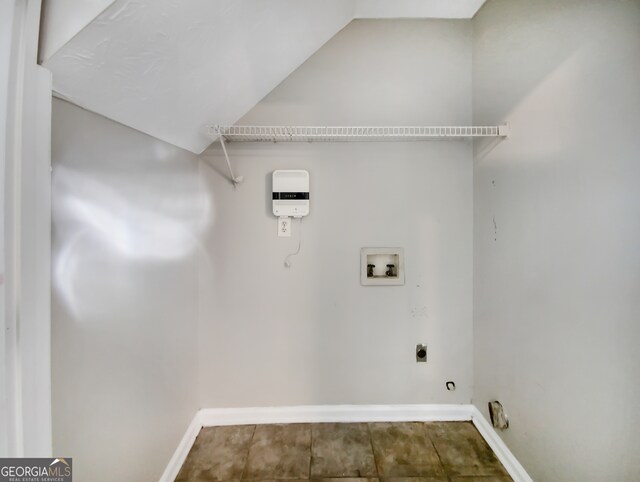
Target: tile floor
[350,452]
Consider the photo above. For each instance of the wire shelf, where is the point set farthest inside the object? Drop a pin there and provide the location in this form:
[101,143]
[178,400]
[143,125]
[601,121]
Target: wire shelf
[336,134]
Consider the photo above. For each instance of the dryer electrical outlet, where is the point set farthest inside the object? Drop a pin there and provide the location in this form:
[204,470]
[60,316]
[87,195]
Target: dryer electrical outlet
[290,193]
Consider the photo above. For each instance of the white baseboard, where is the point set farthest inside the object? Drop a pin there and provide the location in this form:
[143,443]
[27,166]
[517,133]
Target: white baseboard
[334,413]
[180,455]
[210,417]
[510,462]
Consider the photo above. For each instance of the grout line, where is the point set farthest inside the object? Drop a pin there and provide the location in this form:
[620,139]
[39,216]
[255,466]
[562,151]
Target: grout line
[310,448]
[426,432]
[373,450]
[246,462]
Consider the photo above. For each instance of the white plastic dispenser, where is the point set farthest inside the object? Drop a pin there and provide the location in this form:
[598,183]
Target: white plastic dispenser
[290,193]
[290,197]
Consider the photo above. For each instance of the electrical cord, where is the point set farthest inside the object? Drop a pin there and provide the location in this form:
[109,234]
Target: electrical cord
[287,263]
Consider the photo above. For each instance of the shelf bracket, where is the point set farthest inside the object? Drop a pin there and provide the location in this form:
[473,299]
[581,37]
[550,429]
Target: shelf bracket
[504,131]
[235,180]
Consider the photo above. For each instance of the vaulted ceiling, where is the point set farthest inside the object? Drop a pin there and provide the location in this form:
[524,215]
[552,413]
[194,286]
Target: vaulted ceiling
[169,67]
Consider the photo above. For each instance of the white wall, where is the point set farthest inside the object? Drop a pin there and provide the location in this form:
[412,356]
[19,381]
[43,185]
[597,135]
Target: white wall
[312,334]
[557,233]
[127,211]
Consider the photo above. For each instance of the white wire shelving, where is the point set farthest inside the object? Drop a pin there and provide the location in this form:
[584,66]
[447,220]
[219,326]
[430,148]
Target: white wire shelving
[347,134]
[352,133]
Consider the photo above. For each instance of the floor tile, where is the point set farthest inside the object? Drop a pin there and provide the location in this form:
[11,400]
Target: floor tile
[218,454]
[462,449]
[279,452]
[489,478]
[346,479]
[404,450]
[341,450]
[416,479]
[336,479]
[271,480]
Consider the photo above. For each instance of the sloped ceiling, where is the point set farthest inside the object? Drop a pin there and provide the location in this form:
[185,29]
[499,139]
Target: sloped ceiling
[63,19]
[417,8]
[168,67]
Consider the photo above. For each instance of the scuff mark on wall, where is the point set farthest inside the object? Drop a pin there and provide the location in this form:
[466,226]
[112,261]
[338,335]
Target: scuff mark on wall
[421,312]
[495,229]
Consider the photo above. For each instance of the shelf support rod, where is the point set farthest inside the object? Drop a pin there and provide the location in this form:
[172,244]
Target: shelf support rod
[235,180]
[504,131]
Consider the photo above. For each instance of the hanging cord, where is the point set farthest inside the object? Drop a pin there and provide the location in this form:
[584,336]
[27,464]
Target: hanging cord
[287,263]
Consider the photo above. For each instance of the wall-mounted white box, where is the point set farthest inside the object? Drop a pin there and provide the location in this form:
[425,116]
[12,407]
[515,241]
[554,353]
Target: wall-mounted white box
[381,266]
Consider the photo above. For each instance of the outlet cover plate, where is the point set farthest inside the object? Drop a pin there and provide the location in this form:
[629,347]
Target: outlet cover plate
[284,227]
